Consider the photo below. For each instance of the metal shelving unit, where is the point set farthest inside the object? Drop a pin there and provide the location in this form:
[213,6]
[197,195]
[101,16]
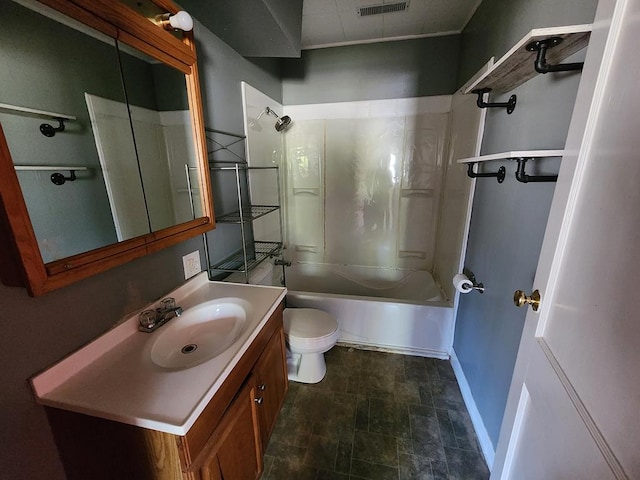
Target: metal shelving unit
[247,214]
[253,252]
[236,262]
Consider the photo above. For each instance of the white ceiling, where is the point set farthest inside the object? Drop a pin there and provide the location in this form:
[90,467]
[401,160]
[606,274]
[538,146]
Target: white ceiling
[336,22]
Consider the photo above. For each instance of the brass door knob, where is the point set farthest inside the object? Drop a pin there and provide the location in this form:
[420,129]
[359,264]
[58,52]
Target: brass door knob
[520,299]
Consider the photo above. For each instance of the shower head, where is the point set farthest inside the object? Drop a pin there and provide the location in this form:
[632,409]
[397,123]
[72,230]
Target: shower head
[282,123]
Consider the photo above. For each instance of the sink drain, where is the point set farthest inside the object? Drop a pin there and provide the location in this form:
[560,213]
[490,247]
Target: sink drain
[192,347]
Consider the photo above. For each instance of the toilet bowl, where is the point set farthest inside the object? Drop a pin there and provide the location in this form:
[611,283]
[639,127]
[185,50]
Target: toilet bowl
[309,333]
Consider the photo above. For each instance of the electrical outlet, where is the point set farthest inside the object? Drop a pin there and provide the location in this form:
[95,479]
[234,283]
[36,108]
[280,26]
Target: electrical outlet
[191,264]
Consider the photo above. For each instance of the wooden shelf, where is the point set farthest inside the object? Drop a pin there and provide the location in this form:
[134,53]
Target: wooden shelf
[512,155]
[517,65]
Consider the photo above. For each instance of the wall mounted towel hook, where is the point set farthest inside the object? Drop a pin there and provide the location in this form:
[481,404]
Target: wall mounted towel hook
[510,105]
[541,65]
[49,130]
[500,174]
[521,176]
[60,179]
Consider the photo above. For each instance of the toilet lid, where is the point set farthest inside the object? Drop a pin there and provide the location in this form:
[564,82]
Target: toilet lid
[308,323]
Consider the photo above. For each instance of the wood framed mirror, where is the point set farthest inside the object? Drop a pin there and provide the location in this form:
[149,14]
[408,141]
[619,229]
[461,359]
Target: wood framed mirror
[154,198]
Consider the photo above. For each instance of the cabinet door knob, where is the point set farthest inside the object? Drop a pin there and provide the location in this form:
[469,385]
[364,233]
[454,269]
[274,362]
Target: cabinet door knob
[262,387]
[258,400]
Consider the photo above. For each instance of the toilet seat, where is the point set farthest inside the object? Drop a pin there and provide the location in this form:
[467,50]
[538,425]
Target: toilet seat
[308,329]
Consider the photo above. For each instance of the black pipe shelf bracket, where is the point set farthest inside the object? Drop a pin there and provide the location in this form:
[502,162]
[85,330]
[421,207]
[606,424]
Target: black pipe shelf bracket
[541,65]
[521,176]
[509,105]
[499,175]
[521,156]
[60,179]
[49,130]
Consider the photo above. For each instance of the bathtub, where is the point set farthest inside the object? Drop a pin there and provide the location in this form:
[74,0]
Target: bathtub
[383,309]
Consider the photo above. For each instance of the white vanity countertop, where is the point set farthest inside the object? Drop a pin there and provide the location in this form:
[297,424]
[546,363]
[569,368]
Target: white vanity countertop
[113,377]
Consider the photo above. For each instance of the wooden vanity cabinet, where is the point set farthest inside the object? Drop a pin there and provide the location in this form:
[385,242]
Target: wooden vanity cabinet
[226,442]
[236,433]
[271,385]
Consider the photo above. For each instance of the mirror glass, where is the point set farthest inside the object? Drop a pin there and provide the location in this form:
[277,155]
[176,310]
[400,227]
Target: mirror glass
[48,66]
[159,109]
[102,193]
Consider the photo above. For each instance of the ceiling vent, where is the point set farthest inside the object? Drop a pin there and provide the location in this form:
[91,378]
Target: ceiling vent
[382,8]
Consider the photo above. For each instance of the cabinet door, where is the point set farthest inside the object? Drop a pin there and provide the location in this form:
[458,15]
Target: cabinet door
[271,384]
[236,454]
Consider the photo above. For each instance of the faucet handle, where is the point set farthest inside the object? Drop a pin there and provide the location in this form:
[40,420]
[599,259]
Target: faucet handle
[147,318]
[168,303]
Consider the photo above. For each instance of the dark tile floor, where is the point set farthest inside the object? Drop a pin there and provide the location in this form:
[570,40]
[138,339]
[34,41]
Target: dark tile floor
[375,416]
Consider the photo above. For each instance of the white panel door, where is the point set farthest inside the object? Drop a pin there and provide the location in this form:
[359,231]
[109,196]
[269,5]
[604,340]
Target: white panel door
[573,406]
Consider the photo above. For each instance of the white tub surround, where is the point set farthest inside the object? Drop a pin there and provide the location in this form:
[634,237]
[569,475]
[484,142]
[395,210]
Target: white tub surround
[384,324]
[114,378]
[383,283]
[364,181]
[384,309]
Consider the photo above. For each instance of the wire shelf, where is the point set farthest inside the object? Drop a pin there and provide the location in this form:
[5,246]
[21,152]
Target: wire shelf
[248,214]
[235,263]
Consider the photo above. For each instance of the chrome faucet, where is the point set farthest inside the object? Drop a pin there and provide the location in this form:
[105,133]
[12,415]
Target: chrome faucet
[150,320]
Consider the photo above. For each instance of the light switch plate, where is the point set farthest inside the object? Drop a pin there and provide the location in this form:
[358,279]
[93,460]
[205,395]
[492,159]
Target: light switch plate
[191,264]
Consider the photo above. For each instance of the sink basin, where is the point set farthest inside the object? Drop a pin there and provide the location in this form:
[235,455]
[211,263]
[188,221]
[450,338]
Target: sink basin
[200,333]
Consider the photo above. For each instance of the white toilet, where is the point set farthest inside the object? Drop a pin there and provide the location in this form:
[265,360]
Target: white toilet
[309,333]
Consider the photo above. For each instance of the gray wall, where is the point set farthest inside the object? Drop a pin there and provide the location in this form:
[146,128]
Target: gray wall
[509,219]
[222,98]
[37,332]
[254,28]
[408,68]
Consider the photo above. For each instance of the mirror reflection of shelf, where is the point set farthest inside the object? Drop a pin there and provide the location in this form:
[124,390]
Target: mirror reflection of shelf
[50,168]
[5,107]
[517,65]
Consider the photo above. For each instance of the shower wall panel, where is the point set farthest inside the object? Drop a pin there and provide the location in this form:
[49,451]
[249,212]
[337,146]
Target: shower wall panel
[365,191]
[306,190]
[265,148]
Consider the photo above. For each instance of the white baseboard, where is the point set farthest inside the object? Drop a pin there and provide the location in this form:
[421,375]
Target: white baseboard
[483,436]
[415,351]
